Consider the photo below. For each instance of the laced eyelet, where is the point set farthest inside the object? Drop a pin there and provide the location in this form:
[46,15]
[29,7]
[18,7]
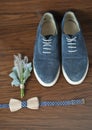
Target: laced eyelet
[71,42]
[47,46]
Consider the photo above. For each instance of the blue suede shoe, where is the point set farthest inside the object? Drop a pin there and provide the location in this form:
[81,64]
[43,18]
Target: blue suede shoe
[46,62]
[75,61]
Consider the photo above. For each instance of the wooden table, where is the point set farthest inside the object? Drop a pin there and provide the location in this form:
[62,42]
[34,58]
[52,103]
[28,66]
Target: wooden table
[18,24]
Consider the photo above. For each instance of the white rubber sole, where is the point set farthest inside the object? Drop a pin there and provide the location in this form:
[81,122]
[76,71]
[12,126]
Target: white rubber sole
[46,84]
[72,82]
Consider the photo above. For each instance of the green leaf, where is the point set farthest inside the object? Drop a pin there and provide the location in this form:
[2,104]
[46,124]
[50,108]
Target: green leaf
[13,75]
[29,65]
[15,83]
[26,74]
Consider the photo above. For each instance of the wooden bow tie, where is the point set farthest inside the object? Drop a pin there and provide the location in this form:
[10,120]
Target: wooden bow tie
[15,105]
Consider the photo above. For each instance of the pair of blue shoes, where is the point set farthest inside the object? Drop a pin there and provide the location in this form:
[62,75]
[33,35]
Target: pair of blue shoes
[46,60]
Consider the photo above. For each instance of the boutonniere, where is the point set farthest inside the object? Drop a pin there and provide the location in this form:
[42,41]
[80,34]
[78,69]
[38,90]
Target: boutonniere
[20,72]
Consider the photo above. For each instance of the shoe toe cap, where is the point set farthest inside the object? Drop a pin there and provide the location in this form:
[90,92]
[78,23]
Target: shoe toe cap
[75,70]
[47,73]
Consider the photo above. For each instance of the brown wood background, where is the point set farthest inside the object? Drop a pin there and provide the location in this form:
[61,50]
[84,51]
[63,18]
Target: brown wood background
[18,25]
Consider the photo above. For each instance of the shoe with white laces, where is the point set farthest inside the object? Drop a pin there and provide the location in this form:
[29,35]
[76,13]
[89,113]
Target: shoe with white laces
[46,60]
[75,61]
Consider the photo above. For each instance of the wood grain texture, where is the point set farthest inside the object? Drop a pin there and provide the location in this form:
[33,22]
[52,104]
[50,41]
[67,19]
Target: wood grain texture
[18,25]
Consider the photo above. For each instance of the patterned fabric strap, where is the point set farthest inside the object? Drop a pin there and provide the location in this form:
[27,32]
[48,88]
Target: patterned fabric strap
[4,105]
[62,103]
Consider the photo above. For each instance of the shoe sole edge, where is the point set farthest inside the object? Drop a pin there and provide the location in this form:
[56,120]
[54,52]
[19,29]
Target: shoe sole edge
[78,82]
[46,84]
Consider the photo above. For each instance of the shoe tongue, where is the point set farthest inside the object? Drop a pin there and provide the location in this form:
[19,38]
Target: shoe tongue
[71,36]
[47,36]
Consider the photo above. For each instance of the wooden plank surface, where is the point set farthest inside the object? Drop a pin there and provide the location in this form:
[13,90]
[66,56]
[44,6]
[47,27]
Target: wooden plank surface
[18,25]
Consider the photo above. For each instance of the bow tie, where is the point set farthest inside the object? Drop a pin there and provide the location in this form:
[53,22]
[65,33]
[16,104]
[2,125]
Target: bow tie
[33,103]
[15,104]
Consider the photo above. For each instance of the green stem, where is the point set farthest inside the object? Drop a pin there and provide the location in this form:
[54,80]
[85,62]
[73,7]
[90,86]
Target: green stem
[22,92]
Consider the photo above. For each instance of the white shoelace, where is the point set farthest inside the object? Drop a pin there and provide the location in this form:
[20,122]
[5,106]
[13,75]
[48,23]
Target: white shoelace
[47,46]
[71,42]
